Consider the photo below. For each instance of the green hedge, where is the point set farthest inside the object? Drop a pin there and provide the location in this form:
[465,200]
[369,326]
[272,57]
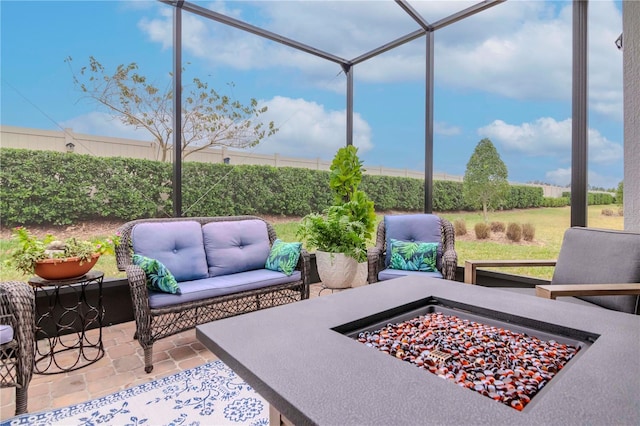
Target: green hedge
[595,198]
[555,202]
[44,187]
[522,197]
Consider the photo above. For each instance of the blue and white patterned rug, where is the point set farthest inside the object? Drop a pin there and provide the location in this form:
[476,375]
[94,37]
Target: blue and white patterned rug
[211,394]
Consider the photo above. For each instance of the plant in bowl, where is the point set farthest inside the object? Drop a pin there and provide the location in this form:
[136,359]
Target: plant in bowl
[52,259]
[341,232]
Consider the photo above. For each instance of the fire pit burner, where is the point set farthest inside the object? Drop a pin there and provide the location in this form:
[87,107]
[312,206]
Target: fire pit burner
[506,366]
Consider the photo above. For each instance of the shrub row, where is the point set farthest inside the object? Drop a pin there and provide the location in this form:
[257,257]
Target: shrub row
[595,198]
[555,202]
[45,187]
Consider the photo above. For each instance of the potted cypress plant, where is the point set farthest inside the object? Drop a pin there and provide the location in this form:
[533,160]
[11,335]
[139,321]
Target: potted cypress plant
[341,232]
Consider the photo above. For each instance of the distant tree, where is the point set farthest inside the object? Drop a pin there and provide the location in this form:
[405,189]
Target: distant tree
[208,118]
[485,181]
[620,194]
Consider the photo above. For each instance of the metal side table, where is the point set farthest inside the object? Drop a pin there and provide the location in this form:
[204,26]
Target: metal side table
[69,327]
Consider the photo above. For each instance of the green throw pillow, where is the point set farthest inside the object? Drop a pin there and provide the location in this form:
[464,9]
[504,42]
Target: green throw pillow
[158,276]
[283,257]
[413,256]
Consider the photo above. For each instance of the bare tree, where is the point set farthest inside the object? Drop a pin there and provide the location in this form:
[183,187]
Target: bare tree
[208,118]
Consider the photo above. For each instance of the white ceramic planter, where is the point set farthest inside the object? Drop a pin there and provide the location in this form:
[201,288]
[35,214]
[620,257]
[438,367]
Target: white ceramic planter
[338,271]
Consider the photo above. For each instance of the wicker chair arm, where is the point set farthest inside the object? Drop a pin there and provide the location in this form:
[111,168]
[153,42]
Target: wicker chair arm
[6,318]
[124,250]
[18,299]
[137,282]
[373,264]
[139,298]
[304,266]
[449,264]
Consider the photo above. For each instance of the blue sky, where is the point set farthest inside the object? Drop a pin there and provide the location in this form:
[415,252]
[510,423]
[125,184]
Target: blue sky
[504,73]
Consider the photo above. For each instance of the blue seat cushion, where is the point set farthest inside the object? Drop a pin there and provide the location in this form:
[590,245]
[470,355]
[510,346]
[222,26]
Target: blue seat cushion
[6,334]
[221,285]
[177,245]
[413,227]
[389,274]
[233,247]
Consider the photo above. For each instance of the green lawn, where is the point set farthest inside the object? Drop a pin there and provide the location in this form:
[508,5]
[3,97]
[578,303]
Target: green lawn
[550,224]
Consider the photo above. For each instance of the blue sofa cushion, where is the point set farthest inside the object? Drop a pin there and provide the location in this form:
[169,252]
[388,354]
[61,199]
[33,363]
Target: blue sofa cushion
[413,227]
[6,334]
[178,245]
[389,274]
[233,247]
[221,285]
[600,256]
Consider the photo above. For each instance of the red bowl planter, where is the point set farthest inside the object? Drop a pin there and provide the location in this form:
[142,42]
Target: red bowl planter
[62,269]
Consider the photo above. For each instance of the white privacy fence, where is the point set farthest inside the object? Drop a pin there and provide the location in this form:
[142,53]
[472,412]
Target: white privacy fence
[103,146]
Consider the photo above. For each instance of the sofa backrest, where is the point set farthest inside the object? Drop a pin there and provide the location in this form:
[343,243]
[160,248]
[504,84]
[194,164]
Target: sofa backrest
[238,246]
[412,227]
[600,256]
[178,245]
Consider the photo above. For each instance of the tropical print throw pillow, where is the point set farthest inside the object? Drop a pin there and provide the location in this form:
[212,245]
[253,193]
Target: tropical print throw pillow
[413,256]
[283,257]
[158,276]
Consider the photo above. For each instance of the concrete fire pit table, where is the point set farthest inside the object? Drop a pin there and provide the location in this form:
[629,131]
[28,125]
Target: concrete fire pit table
[312,374]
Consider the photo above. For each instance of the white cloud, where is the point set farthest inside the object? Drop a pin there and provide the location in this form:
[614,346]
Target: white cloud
[445,129]
[308,130]
[517,49]
[562,177]
[547,137]
[103,124]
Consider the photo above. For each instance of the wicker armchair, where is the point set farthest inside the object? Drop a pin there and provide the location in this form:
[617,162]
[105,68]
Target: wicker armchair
[17,310]
[418,227]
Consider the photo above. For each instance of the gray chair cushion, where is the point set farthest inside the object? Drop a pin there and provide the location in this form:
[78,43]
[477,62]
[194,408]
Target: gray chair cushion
[413,227]
[221,285]
[593,256]
[233,247]
[178,245]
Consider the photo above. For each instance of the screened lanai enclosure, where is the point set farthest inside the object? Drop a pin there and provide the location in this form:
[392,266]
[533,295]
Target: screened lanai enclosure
[421,27]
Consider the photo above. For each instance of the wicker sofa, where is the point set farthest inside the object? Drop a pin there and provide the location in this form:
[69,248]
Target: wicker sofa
[219,265]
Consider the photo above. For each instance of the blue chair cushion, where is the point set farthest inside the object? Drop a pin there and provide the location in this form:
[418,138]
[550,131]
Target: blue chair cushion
[221,285]
[6,334]
[178,245]
[389,274]
[413,227]
[233,247]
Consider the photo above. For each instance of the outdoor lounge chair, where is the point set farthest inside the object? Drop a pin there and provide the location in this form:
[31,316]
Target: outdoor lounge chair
[597,266]
[17,339]
[412,228]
